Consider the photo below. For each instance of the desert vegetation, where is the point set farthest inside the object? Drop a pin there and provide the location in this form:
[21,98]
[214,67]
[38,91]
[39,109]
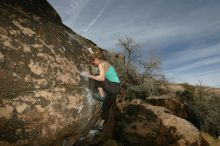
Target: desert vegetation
[141,77]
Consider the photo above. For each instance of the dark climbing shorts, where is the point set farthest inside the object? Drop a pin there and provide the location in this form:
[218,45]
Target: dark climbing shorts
[108,86]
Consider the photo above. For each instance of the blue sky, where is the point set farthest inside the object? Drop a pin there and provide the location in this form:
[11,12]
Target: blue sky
[184,33]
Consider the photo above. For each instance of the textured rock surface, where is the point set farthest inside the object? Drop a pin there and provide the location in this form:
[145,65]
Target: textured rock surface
[144,124]
[172,103]
[34,7]
[43,98]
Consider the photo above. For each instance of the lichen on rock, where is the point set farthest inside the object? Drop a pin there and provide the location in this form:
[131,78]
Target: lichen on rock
[43,98]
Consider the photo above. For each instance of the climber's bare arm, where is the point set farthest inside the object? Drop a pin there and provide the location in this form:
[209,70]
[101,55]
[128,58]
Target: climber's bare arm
[100,77]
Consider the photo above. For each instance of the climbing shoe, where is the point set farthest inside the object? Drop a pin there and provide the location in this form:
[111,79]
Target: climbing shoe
[98,127]
[98,97]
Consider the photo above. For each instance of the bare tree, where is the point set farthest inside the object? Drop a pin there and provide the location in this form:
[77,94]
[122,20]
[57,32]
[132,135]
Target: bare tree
[151,66]
[143,84]
[129,46]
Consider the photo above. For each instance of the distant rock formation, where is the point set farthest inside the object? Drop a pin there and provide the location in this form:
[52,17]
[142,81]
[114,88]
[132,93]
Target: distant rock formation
[44,100]
[148,125]
[175,105]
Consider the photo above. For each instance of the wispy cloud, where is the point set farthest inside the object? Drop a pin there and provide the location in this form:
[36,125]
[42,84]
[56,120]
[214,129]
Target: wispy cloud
[209,77]
[184,33]
[195,64]
[97,17]
[192,56]
[69,10]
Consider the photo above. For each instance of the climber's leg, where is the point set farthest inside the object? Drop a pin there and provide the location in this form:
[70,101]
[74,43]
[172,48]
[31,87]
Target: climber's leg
[106,85]
[101,92]
[97,86]
[109,99]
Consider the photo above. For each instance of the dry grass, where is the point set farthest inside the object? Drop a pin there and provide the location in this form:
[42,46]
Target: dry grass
[175,87]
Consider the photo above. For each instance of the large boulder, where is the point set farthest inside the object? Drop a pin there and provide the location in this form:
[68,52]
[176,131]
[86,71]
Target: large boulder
[43,99]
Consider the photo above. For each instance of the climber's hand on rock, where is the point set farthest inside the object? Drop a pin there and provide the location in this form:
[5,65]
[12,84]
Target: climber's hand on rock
[85,73]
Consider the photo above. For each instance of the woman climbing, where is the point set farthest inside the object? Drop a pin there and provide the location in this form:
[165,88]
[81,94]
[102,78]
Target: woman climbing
[107,82]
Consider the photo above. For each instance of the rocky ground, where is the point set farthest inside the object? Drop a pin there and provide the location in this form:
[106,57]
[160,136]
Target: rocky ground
[160,121]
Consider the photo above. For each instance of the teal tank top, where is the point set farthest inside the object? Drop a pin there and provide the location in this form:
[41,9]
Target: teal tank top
[111,75]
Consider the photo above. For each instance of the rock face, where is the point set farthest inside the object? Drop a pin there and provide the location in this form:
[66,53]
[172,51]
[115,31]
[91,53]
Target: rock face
[34,7]
[147,125]
[44,100]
